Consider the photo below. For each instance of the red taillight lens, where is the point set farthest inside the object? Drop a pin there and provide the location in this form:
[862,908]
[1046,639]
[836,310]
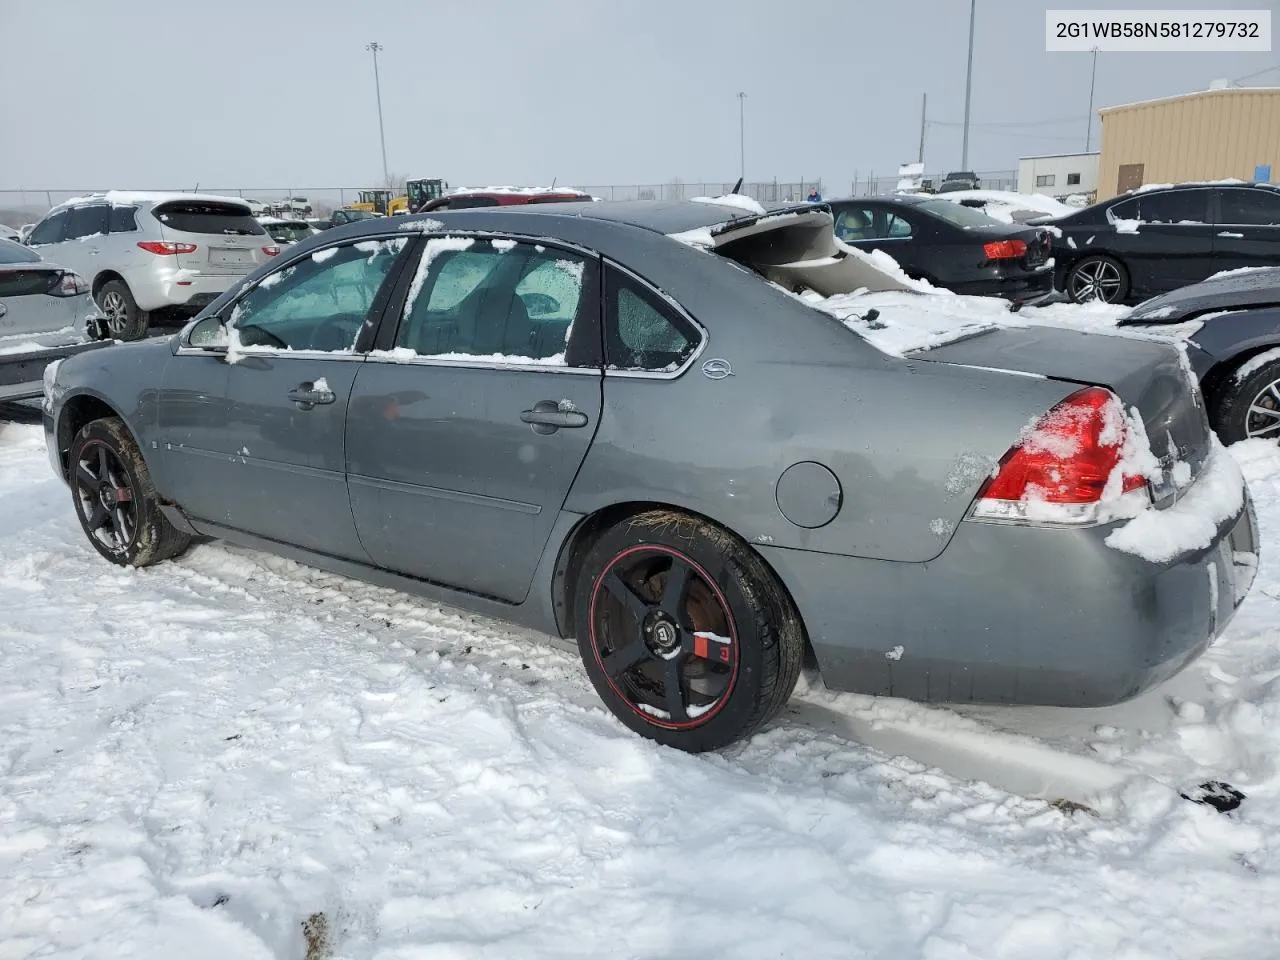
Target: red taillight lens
[1068,458]
[271,251]
[70,285]
[1005,249]
[163,248]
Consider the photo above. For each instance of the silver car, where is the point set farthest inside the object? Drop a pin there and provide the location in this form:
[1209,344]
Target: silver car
[147,252]
[45,315]
[614,422]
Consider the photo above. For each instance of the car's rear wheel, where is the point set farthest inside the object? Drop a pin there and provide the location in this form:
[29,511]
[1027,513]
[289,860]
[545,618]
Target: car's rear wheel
[125,320]
[115,500]
[1249,407]
[1098,278]
[687,636]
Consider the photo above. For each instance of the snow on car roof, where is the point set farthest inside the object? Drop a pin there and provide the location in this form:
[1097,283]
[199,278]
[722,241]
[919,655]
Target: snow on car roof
[1001,204]
[137,197]
[521,191]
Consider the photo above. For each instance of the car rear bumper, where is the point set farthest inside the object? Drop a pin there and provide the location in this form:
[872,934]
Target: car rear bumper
[1027,286]
[1013,614]
[22,374]
[172,287]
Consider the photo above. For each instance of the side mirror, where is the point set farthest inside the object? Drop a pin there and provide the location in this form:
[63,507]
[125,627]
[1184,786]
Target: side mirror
[211,335]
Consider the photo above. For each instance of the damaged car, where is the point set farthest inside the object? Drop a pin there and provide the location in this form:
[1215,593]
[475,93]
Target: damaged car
[619,424]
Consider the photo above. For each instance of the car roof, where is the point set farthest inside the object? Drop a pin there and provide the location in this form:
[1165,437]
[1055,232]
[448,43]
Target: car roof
[134,198]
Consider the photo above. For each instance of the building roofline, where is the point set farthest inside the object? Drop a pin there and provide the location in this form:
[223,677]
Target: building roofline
[1228,91]
[1054,156]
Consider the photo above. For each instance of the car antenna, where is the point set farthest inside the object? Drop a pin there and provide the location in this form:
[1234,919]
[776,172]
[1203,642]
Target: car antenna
[737,186]
[553,182]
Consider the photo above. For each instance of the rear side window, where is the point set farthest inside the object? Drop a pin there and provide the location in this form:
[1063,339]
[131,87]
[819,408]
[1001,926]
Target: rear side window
[202,216]
[641,331]
[123,219]
[91,221]
[11,252]
[1256,208]
[25,283]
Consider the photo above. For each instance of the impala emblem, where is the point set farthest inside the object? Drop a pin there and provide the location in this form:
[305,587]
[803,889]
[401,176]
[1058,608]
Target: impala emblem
[717,369]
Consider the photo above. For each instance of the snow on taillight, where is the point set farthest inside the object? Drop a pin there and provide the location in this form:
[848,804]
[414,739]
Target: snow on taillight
[271,251]
[1005,249]
[1085,461]
[165,248]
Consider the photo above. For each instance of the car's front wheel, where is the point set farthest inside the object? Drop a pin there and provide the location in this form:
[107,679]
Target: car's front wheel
[687,636]
[115,500]
[125,320]
[1098,278]
[1248,406]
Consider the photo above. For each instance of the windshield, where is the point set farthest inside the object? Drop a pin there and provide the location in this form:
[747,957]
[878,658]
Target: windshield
[11,252]
[958,214]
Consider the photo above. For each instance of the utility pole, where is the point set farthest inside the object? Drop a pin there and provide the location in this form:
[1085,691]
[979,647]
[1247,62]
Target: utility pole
[1093,78]
[373,48]
[924,108]
[968,89]
[742,136]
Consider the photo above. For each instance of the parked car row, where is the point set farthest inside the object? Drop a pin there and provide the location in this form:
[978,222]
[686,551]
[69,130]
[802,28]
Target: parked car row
[567,416]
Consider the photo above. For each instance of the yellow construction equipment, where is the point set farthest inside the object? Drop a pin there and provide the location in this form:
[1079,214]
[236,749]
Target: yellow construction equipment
[372,201]
[417,192]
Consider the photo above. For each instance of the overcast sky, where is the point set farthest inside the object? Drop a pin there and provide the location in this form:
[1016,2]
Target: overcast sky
[261,93]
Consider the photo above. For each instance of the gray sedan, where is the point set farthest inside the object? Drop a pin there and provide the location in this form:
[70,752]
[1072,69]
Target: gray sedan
[617,423]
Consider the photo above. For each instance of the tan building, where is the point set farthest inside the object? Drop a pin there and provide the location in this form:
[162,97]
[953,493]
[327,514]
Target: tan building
[1231,133]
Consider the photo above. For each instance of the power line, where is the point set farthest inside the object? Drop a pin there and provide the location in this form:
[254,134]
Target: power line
[1015,124]
[1250,76]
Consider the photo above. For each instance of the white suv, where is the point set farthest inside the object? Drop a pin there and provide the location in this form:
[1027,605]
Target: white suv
[145,252]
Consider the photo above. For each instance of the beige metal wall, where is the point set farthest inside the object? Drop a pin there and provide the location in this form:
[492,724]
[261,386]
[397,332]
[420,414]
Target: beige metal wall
[1213,135]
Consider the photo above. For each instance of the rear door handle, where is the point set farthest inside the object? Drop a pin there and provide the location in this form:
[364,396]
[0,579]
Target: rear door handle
[548,416]
[306,396]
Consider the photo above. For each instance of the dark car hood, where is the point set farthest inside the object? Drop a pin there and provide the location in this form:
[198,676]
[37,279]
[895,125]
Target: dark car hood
[1236,291]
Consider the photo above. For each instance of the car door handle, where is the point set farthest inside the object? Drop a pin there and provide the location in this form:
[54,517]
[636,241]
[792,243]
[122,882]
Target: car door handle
[548,416]
[306,396]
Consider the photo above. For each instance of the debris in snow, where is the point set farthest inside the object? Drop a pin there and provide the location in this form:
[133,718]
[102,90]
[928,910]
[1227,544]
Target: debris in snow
[1190,524]
[734,200]
[1221,796]
[896,653]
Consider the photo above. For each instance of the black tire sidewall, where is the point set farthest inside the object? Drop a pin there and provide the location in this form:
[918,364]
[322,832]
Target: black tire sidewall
[1231,413]
[136,322]
[744,599]
[148,514]
[1096,258]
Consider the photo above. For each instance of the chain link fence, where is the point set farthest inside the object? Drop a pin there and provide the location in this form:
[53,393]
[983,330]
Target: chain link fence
[874,186]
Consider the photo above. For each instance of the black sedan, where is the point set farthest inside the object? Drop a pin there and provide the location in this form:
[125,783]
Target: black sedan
[1233,323]
[1157,239]
[950,245]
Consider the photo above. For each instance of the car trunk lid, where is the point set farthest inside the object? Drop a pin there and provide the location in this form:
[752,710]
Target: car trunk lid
[1149,376]
[228,241]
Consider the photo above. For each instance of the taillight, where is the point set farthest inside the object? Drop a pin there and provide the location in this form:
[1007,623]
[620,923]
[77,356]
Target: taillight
[163,248]
[1082,456]
[1005,249]
[70,285]
[271,251]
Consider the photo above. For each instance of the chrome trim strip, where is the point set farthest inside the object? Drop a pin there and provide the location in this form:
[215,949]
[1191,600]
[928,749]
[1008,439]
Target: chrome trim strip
[458,496]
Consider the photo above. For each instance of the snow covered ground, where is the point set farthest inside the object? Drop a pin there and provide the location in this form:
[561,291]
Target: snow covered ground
[231,755]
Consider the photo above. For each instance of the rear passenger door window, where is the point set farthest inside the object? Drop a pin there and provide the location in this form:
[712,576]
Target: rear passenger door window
[642,332]
[1250,207]
[502,301]
[90,221]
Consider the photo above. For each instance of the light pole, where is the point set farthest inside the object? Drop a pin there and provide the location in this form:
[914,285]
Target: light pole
[742,135]
[373,48]
[968,89]
[1093,78]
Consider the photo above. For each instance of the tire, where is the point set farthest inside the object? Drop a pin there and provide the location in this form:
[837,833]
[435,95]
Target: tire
[124,319]
[115,500]
[1238,410]
[731,639]
[1097,277]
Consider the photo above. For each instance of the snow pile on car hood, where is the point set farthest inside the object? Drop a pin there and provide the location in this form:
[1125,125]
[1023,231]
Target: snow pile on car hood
[1011,207]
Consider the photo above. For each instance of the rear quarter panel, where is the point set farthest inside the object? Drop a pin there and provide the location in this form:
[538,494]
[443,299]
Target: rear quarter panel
[910,442]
